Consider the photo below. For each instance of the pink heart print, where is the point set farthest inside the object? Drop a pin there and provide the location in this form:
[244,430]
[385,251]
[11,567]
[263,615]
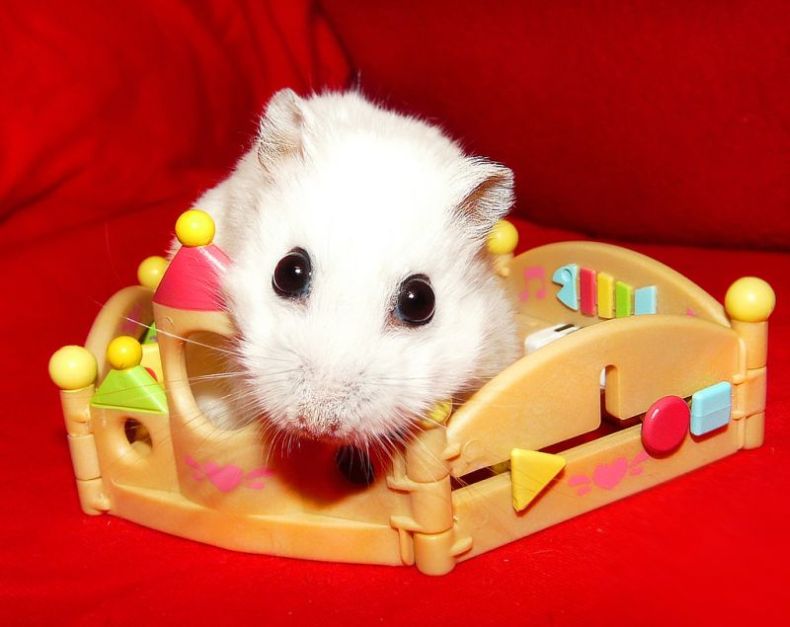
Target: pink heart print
[607,476]
[228,477]
[225,478]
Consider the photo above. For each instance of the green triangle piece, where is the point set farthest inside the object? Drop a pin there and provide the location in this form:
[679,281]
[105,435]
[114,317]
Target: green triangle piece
[530,473]
[132,388]
[149,337]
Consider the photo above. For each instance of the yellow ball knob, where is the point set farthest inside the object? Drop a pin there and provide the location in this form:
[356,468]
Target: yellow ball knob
[195,228]
[124,352]
[441,411]
[72,368]
[151,271]
[503,238]
[750,299]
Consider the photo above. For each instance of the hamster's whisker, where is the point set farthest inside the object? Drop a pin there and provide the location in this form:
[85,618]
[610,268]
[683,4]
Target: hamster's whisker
[213,376]
[188,340]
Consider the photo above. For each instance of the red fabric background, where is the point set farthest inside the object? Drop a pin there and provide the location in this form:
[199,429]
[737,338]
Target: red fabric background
[108,107]
[658,121]
[110,123]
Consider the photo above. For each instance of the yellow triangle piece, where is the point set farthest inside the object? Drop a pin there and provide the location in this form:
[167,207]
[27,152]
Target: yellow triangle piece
[530,473]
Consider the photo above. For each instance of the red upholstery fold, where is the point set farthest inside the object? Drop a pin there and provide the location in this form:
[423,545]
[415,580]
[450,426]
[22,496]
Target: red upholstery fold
[110,106]
[662,121]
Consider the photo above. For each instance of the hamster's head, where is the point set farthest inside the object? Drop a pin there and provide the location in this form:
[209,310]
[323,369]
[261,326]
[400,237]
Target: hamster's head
[359,284]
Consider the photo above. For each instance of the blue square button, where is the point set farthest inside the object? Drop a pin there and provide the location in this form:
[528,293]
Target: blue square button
[645,300]
[710,408]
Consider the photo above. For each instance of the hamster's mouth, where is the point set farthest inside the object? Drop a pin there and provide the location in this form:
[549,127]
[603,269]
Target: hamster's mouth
[325,431]
[337,433]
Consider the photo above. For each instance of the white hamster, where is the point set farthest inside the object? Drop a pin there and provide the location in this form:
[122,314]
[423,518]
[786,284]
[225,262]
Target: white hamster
[359,284]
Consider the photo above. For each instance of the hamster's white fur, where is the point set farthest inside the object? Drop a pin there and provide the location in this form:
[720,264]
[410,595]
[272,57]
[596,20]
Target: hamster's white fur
[373,197]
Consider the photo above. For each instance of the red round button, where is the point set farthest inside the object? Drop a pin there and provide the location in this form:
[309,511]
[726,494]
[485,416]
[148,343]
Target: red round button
[665,425]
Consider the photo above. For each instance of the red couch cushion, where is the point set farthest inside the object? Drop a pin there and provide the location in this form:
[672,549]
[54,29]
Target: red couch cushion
[657,121]
[111,106]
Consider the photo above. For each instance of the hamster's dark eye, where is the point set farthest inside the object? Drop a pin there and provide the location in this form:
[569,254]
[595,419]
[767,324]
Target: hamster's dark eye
[292,275]
[416,300]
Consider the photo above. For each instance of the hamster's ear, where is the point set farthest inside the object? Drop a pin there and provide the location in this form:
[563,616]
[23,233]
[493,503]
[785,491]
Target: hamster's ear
[488,196]
[280,128]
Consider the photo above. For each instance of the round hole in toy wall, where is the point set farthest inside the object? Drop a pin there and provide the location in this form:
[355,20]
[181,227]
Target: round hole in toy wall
[138,436]
[217,381]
